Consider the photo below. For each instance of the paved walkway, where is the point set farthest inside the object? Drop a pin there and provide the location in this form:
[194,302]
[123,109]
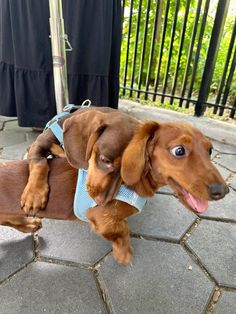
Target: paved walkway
[183,263]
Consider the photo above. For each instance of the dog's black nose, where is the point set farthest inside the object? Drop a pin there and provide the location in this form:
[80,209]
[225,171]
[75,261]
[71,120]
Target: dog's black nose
[217,190]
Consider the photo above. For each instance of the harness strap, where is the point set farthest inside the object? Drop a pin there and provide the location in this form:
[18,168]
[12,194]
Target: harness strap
[83,201]
[57,130]
[53,123]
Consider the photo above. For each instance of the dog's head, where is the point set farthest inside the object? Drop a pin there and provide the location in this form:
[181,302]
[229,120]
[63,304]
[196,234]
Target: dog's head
[174,154]
[95,140]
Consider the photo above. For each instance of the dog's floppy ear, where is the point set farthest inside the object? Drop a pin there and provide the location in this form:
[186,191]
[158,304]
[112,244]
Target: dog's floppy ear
[134,159]
[80,132]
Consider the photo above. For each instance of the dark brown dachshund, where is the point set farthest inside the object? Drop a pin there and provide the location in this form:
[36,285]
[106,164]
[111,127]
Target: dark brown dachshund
[93,139]
[159,154]
[108,221]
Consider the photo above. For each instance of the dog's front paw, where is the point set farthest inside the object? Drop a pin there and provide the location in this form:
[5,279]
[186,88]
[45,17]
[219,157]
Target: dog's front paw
[34,198]
[32,224]
[122,252]
[24,224]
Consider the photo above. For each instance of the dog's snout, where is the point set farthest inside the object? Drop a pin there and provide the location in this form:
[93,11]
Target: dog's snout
[217,190]
[99,199]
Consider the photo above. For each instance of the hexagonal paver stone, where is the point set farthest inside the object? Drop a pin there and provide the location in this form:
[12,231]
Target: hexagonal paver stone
[163,217]
[224,208]
[232,182]
[31,136]
[228,161]
[224,148]
[6,119]
[12,124]
[16,250]
[15,151]
[226,303]
[159,281]
[165,190]
[224,172]
[214,243]
[11,137]
[51,288]
[70,241]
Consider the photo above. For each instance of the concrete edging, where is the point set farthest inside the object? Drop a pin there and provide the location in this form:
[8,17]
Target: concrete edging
[216,130]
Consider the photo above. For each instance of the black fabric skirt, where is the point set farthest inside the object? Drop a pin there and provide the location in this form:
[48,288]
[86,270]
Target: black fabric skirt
[26,74]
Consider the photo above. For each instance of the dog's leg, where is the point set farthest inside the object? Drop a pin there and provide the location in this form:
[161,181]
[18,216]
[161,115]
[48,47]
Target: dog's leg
[122,250]
[109,221]
[21,223]
[35,194]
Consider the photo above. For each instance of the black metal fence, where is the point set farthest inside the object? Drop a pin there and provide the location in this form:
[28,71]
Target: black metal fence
[182,52]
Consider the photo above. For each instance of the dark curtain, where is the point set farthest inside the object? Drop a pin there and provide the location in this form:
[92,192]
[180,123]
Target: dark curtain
[26,75]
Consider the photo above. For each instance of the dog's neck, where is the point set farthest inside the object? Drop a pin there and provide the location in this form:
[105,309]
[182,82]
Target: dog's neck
[148,184]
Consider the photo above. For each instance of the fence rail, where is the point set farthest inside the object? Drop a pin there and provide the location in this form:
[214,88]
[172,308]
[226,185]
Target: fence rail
[182,52]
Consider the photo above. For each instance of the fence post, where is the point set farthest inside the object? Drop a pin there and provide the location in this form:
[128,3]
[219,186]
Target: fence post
[216,35]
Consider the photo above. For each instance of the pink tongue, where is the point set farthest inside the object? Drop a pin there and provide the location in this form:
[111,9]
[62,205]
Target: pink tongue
[196,203]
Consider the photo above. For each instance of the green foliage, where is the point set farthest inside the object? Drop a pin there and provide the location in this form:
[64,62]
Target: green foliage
[132,53]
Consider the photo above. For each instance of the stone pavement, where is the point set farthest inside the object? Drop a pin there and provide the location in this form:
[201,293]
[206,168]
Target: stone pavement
[183,262]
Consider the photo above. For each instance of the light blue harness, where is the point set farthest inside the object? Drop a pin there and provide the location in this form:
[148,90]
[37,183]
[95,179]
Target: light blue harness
[82,200]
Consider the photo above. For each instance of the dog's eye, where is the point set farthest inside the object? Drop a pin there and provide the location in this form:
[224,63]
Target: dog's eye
[105,160]
[210,151]
[178,151]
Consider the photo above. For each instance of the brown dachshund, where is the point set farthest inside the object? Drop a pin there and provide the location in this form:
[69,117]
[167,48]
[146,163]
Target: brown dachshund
[158,154]
[93,139]
[174,154]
